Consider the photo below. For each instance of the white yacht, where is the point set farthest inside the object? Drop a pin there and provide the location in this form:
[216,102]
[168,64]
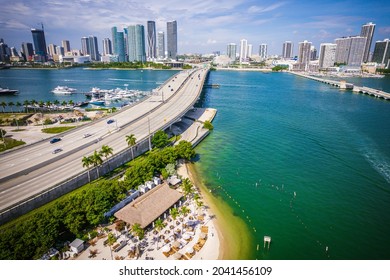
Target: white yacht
[63,90]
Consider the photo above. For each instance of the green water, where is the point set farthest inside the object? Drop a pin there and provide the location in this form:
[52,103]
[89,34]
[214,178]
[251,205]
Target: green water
[301,162]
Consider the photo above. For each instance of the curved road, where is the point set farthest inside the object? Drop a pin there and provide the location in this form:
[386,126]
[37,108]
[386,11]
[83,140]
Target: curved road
[30,170]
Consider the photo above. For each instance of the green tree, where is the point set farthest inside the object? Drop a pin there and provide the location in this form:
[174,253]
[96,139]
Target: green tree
[138,231]
[160,139]
[106,151]
[25,104]
[131,140]
[188,187]
[185,210]
[159,224]
[96,161]
[18,105]
[11,104]
[87,162]
[184,150]
[170,168]
[3,104]
[208,125]
[174,213]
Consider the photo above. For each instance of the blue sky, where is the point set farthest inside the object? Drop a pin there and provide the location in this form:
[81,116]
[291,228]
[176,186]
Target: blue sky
[203,26]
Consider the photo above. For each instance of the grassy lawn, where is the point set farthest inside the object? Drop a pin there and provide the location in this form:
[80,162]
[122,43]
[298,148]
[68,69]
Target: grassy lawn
[10,143]
[55,130]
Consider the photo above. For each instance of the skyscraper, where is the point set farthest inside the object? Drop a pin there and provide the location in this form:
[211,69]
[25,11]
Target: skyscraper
[120,47]
[287,49]
[263,51]
[367,32]
[350,50]
[28,51]
[85,46]
[172,39]
[313,53]
[327,55]
[60,50]
[66,46]
[93,48]
[151,40]
[107,49]
[250,50]
[136,42]
[161,45]
[114,32]
[231,51]
[39,43]
[52,49]
[382,53]
[304,55]
[243,50]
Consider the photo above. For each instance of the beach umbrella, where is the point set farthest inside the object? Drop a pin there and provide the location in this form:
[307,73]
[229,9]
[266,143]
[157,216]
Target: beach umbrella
[166,248]
[186,236]
[189,250]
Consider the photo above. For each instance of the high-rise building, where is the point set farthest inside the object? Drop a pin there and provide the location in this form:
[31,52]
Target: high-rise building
[350,50]
[313,53]
[367,32]
[327,55]
[60,50]
[39,44]
[114,35]
[120,47]
[52,49]
[66,45]
[263,51]
[5,52]
[151,39]
[382,53]
[107,49]
[161,45]
[172,39]
[304,55]
[250,50]
[28,51]
[287,49]
[93,48]
[243,50]
[136,42]
[231,51]
[85,46]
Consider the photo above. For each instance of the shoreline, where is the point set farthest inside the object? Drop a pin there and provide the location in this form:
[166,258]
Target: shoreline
[234,244]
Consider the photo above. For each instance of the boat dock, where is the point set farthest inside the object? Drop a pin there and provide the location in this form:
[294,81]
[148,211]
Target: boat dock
[349,86]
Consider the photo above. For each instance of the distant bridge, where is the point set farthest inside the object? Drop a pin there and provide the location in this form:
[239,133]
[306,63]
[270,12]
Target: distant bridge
[345,85]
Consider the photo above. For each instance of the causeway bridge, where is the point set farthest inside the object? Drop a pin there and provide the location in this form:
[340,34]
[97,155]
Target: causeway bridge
[33,175]
[348,86]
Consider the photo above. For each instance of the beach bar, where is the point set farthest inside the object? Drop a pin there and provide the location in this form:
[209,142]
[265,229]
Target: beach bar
[148,207]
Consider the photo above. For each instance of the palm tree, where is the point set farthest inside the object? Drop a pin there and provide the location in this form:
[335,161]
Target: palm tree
[25,104]
[138,231]
[71,103]
[131,140]
[48,104]
[87,162]
[106,151]
[10,104]
[187,187]
[64,103]
[3,104]
[159,225]
[18,104]
[174,213]
[96,161]
[185,210]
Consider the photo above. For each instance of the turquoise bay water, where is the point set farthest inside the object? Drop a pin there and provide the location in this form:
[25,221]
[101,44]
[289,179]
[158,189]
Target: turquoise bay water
[302,162]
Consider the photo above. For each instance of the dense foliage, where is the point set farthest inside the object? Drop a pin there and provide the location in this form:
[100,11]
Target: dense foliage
[280,68]
[383,71]
[208,125]
[31,235]
[160,139]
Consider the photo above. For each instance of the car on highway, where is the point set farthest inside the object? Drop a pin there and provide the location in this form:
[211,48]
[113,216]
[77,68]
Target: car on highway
[87,135]
[110,121]
[55,140]
[55,151]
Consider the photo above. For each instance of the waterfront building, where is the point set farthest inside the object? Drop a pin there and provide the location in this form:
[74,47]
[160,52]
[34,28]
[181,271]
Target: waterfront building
[243,50]
[313,53]
[304,55]
[5,52]
[327,55]
[172,39]
[114,35]
[231,51]
[161,45]
[250,49]
[263,51]
[52,49]
[382,53]
[136,42]
[350,50]
[28,51]
[93,48]
[120,47]
[107,48]
[60,50]
[66,45]
[85,46]
[287,51]
[39,44]
[151,39]
[367,31]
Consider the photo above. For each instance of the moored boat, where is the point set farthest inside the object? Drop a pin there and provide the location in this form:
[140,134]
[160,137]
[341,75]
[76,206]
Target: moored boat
[8,91]
[63,90]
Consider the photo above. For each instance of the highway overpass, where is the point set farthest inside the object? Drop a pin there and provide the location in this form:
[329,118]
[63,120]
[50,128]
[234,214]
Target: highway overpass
[29,172]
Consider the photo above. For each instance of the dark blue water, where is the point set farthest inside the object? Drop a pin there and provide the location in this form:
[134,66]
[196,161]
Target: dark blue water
[302,162]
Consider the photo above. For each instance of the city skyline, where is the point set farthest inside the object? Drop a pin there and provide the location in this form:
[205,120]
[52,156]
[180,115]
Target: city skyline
[202,27]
